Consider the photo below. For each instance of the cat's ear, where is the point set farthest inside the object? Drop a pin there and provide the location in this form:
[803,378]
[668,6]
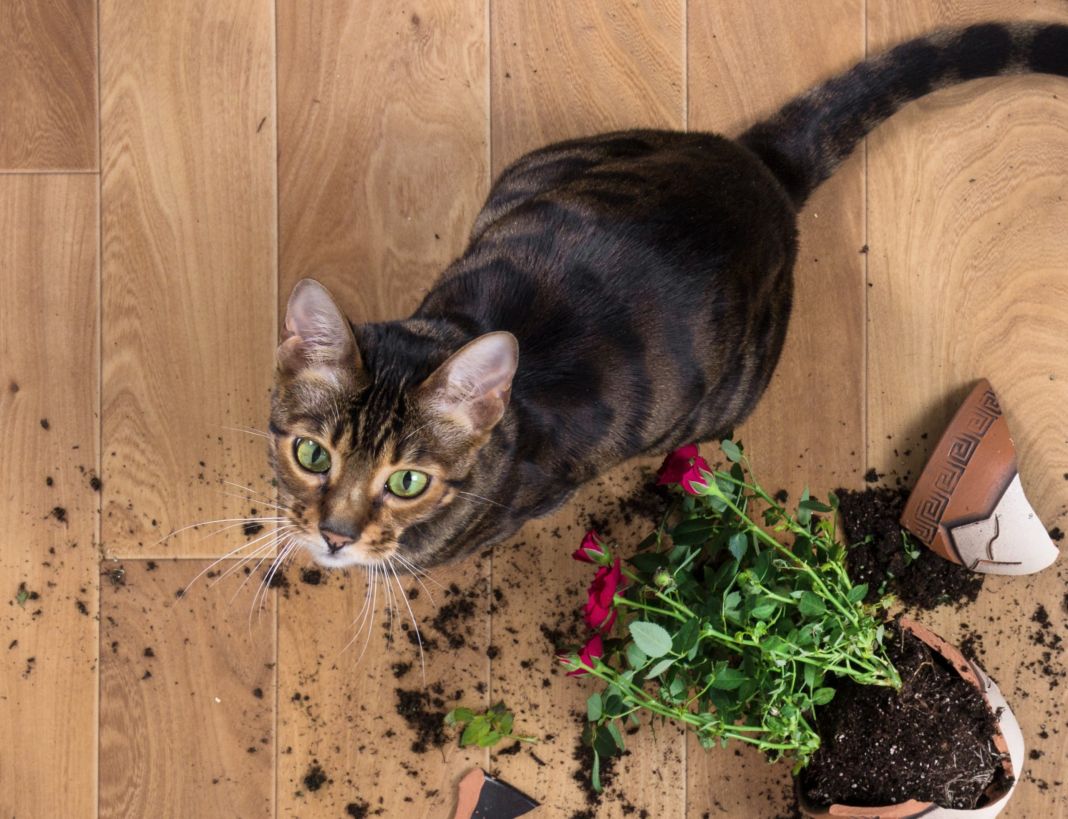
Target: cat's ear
[316,332]
[472,387]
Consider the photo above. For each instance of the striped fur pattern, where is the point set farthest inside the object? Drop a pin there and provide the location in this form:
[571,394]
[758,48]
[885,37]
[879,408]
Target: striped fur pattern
[647,278]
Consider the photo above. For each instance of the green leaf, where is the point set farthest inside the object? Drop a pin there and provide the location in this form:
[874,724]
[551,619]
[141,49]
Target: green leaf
[489,738]
[814,505]
[660,668]
[857,593]
[810,676]
[731,450]
[22,596]
[811,605]
[652,639]
[764,609]
[648,562]
[505,724]
[595,776]
[613,731]
[693,525]
[459,715]
[728,679]
[738,545]
[473,733]
[686,637]
[603,741]
[822,696]
[635,656]
[593,707]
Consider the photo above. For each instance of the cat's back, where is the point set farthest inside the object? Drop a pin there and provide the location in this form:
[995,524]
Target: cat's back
[631,218]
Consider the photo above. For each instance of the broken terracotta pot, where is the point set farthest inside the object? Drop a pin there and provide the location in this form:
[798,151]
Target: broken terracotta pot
[480,796]
[1008,740]
[969,506]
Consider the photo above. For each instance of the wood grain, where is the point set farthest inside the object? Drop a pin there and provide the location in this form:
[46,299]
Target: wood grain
[340,691]
[48,393]
[48,106]
[187,693]
[567,69]
[967,273]
[382,140]
[383,164]
[561,70]
[808,429]
[188,272]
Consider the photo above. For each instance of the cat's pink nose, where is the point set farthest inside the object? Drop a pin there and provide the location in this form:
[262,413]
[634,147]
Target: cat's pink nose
[335,542]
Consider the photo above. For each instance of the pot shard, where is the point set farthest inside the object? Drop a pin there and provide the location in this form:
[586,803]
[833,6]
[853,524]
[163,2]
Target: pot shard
[969,506]
[1009,741]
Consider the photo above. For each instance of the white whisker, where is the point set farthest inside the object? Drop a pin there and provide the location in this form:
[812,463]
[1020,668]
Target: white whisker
[249,489]
[390,607]
[374,610]
[258,501]
[209,523]
[250,431]
[360,618]
[415,572]
[283,537]
[473,496]
[232,552]
[418,636]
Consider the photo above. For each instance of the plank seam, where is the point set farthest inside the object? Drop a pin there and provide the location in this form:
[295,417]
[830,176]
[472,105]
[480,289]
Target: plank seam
[489,182]
[98,432]
[865,341]
[50,171]
[274,330]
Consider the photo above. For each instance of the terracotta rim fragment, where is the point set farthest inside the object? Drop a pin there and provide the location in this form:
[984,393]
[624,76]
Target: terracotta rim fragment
[969,506]
[1008,740]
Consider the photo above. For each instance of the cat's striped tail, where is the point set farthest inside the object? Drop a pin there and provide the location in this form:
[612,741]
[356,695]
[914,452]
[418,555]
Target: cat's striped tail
[809,137]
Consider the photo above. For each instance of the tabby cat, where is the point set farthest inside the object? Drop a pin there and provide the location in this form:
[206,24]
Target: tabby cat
[620,295]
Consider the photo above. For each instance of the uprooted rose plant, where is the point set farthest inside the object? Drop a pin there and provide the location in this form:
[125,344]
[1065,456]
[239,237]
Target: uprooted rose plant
[733,628]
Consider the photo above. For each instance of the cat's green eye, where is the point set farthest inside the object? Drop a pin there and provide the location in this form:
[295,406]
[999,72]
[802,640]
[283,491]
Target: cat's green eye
[311,455]
[407,483]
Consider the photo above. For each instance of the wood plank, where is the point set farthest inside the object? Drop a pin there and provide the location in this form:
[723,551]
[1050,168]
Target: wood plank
[565,69]
[188,278]
[187,693]
[48,455]
[340,691]
[380,179]
[560,70]
[745,61]
[967,211]
[382,141]
[48,106]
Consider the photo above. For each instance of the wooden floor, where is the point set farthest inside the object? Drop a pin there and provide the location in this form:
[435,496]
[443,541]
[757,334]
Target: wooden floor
[169,170]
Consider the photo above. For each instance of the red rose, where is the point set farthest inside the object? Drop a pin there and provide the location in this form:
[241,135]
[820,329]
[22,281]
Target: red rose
[683,468]
[600,613]
[590,549]
[590,652]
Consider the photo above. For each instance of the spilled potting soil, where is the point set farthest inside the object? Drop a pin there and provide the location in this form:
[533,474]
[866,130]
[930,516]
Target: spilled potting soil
[889,560]
[928,741]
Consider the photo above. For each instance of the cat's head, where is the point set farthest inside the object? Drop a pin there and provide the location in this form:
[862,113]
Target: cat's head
[371,453]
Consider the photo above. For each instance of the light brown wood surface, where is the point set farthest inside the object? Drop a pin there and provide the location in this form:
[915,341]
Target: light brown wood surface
[246,145]
[48,110]
[187,693]
[188,268]
[48,378]
[383,159]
